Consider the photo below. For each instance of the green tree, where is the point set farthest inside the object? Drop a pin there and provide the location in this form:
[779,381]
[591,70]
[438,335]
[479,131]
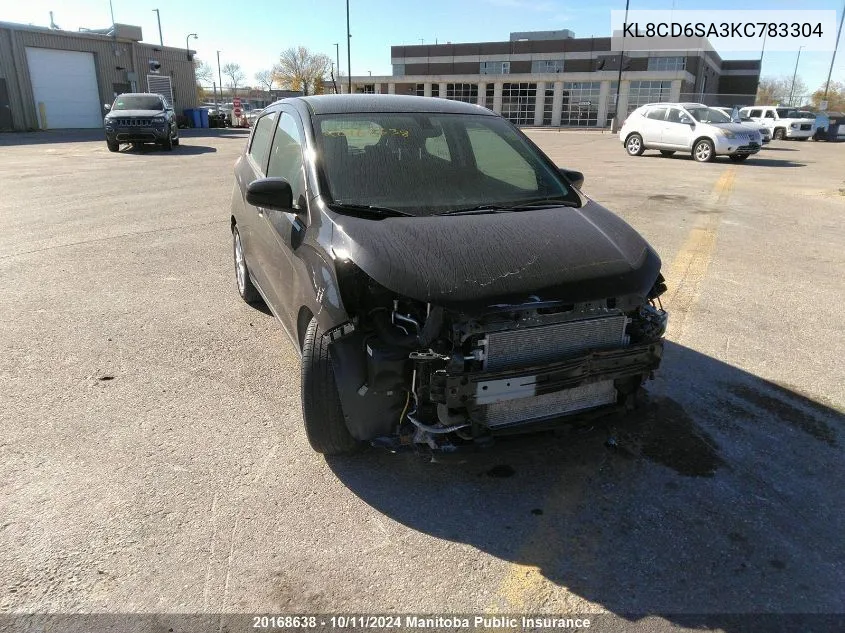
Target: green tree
[835,96]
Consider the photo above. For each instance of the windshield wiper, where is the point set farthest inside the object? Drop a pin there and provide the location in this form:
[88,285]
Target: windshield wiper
[496,208]
[349,208]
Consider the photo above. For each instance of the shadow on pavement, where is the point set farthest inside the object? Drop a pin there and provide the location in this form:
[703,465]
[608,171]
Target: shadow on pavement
[183,149]
[83,136]
[753,160]
[722,495]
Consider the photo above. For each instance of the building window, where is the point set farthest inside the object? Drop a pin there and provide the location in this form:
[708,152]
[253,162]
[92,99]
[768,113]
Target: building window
[548,105]
[580,103]
[547,66]
[667,63]
[495,68]
[398,70]
[489,92]
[642,92]
[420,90]
[518,102]
[368,89]
[468,93]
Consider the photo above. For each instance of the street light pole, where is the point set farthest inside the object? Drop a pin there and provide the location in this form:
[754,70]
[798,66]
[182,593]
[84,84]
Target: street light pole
[158,17]
[348,52]
[619,79]
[835,47]
[187,46]
[795,74]
[219,76]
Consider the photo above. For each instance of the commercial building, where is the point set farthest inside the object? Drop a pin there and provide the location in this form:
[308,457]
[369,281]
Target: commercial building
[53,79]
[553,78]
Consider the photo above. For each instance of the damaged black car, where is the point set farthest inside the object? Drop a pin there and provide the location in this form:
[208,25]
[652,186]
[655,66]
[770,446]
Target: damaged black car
[444,282]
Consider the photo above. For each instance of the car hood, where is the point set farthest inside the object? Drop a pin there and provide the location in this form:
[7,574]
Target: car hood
[740,128]
[115,114]
[558,253]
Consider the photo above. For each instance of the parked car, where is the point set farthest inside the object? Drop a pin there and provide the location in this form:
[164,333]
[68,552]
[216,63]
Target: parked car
[733,113]
[138,118]
[783,122]
[688,127]
[444,282]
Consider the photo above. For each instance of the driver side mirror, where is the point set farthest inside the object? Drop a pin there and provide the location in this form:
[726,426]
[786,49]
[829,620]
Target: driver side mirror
[270,193]
[687,119]
[576,178]
[106,107]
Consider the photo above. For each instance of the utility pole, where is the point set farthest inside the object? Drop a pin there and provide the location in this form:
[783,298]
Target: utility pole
[795,74]
[619,79]
[337,57]
[348,52]
[187,47]
[111,9]
[835,48]
[158,17]
[219,76]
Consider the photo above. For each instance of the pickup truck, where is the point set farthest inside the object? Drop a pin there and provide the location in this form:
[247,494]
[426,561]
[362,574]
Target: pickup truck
[783,122]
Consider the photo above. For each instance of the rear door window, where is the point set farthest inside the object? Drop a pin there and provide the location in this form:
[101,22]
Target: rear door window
[259,146]
[659,114]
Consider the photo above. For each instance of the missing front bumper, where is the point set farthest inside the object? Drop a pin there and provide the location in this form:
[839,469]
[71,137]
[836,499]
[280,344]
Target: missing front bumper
[515,396]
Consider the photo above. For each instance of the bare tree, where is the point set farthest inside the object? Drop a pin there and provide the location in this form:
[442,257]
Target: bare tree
[778,90]
[300,69]
[203,71]
[234,75]
[265,79]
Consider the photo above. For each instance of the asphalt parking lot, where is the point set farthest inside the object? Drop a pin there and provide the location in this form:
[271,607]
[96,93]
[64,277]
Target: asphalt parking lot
[152,455]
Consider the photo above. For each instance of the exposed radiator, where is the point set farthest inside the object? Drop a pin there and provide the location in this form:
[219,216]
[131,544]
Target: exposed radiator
[550,343]
[548,405]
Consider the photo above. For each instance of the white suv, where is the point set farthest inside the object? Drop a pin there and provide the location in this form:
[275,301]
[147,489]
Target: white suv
[783,122]
[688,127]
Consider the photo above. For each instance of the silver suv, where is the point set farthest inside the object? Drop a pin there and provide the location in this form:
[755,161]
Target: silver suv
[688,127]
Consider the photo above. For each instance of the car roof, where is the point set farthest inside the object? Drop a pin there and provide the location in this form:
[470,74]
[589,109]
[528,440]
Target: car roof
[343,104]
[140,94]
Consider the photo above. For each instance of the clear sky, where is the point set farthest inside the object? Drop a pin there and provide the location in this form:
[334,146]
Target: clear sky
[253,32]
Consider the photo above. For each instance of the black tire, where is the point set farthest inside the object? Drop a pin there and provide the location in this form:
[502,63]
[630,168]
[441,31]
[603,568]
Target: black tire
[703,151]
[321,410]
[167,144]
[779,134]
[667,152]
[738,158]
[113,146]
[176,138]
[634,145]
[246,289]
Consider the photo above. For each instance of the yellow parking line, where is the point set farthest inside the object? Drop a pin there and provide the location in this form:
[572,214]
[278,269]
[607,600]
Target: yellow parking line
[686,273]
[524,586]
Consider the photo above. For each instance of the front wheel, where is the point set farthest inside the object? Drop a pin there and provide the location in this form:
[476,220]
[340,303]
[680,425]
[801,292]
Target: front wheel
[779,134]
[113,146]
[634,145]
[167,144]
[704,152]
[738,158]
[322,413]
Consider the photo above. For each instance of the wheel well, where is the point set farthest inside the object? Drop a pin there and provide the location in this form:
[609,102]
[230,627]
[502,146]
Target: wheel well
[302,320]
[703,138]
[632,134]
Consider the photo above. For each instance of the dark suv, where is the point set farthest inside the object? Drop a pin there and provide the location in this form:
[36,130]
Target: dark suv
[442,279]
[139,118]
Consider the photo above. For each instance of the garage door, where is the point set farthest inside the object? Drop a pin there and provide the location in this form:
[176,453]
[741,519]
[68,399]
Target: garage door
[65,82]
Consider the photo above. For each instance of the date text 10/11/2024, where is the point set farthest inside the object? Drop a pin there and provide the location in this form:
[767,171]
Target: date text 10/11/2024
[418,622]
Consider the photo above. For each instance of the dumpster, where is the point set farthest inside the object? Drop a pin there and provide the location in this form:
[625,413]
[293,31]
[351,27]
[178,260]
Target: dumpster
[835,122]
[193,116]
[203,117]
